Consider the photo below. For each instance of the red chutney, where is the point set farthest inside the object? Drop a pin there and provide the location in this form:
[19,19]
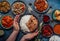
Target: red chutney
[46,18]
[57,29]
[41,5]
[47,31]
[7,21]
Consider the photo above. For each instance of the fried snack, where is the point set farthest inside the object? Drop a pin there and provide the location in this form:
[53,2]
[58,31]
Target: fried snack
[58,18]
[57,15]
[18,8]
[4,6]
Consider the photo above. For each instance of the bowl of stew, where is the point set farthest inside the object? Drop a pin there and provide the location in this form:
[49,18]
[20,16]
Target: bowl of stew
[41,6]
[7,21]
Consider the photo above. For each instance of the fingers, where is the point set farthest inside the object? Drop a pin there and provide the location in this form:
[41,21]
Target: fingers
[34,34]
[36,30]
[16,18]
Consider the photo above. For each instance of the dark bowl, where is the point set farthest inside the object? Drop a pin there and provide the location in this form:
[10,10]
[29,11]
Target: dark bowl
[45,27]
[53,29]
[3,26]
[43,11]
[21,2]
[35,17]
[1,32]
[8,10]
[46,21]
[53,16]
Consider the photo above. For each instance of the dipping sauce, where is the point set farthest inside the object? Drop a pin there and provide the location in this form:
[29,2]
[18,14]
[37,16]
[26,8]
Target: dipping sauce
[57,29]
[18,8]
[4,6]
[7,21]
[41,5]
[46,18]
[47,31]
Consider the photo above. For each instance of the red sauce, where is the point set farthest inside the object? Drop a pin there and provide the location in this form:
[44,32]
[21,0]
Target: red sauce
[57,29]
[46,18]
[7,21]
[47,31]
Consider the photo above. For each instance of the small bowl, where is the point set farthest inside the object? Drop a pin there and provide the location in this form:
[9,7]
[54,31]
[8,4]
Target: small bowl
[51,30]
[21,2]
[1,22]
[8,10]
[46,19]
[55,32]
[53,15]
[1,32]
[54,38]
[44,10]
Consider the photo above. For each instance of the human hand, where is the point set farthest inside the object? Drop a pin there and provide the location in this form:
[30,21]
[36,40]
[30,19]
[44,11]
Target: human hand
[15,24]
[29,36]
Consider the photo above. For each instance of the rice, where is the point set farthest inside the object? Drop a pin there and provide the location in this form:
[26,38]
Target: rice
[54,38]
[23,22]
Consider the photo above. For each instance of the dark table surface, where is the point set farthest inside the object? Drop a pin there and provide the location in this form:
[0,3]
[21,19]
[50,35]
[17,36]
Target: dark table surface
[54,4]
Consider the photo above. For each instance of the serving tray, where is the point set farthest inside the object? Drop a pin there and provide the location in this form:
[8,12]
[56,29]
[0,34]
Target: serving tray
[54,4]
